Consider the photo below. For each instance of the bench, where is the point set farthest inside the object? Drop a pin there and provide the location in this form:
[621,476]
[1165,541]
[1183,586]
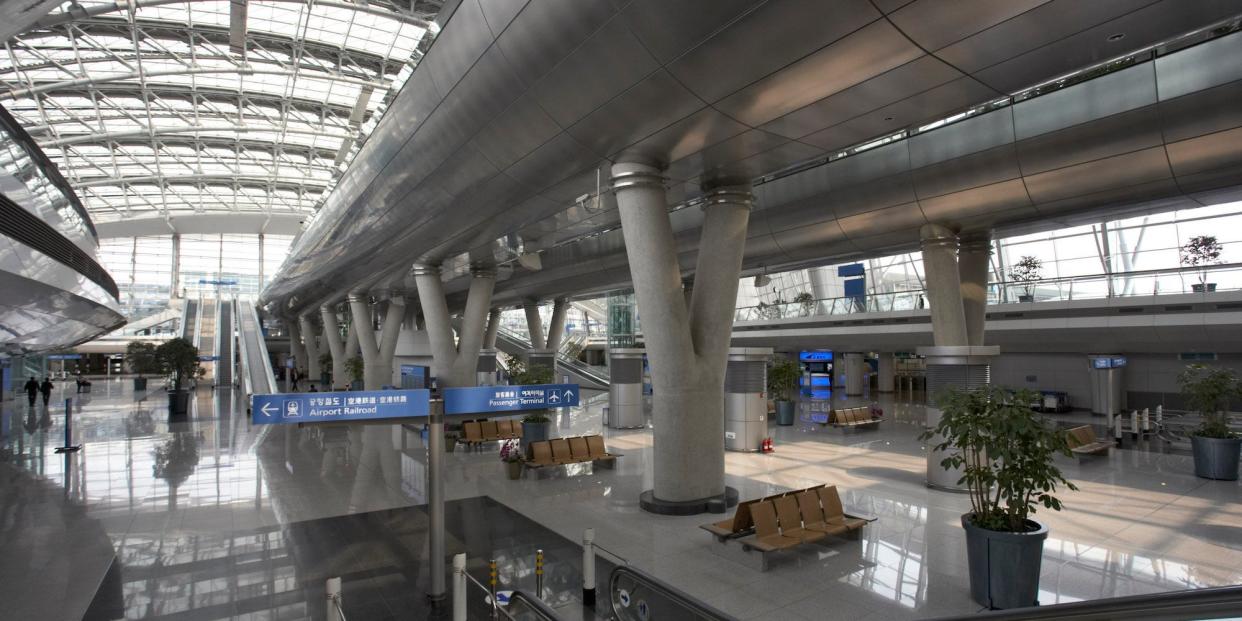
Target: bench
[477,432]
[784,522]
[853,418]
[564,451]
[1082,441]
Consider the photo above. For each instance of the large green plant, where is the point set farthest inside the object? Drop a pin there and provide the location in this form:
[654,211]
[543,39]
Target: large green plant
[325,363]
[355,368]
[783,378]
[1005,452]
[141,358]
[534,374]
[1201,251]
[1208,391]
[179,359]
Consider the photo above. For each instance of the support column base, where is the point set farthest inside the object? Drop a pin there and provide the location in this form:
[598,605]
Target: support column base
[714,504]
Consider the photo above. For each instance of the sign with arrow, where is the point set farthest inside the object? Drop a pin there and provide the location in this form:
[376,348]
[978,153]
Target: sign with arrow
[330,407]
[509,398]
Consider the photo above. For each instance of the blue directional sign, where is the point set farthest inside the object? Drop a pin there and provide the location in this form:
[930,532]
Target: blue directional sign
[509,398]
[329,407]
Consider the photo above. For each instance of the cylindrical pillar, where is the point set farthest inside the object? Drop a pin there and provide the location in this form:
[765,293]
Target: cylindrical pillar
[625,389]
[972,269]
[333,590]
[854,374]
[486,367]
[965,368]
[746,405]
[311,344]
[493,328]
[886,368]
[336,347]
[534,324]
[588,568]
[943,286]
[435,498]
[556,329]
[459,587]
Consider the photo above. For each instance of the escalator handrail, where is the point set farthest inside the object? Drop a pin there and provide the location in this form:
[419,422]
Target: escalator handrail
[247,383]
[1189,604]
[582,369]
[536,605]
[691,603]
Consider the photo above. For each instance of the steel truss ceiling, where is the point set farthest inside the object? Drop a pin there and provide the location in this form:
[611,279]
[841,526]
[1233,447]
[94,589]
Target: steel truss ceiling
[159,108]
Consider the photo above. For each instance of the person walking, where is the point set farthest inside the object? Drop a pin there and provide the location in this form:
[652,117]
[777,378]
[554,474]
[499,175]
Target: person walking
[32,390]
[46,388]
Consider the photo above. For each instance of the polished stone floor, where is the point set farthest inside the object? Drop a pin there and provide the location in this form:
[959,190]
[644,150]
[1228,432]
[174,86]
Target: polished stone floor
[212,518]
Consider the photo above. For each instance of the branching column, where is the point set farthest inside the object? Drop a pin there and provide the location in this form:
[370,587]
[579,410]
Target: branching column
[454,364]
[376,352]
[943,285]
[311,343]
[972,268]
[336,347]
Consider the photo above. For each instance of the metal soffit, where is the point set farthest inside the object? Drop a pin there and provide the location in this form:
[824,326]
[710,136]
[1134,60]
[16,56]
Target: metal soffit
[504,125]
[171,109]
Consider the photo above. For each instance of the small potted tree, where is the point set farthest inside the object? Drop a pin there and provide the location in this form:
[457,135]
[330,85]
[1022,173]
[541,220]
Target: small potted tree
[1200,252]
[536,426]
[782,382]
[179,359]
[1026,272]
[1005,453]
[140,356]
[355,368]
[1216,448]
[325,370]
[806,303]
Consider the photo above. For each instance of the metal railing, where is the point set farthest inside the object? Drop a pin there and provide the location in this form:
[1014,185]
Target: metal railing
[1211,603]
[522,602]
[562,357]
[1093,287]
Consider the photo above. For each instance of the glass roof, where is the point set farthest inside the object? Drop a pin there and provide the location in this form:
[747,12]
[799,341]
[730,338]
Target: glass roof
[162,111]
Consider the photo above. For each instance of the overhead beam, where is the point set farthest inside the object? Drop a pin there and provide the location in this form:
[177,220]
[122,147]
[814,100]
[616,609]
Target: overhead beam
[228,223]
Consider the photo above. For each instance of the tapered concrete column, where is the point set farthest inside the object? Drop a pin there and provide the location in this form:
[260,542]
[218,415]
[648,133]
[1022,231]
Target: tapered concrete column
[493,328]
[311,343]
[336,347]
[686,344]
[351,341]
[534,324]
[854,374]
[364,326]
[556,329]
[972,269]
[454,363]
[295,343]
[687,290]
[887,370]
[943,285]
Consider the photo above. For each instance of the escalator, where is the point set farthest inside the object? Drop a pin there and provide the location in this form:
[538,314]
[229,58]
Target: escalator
[189,319]
[205,335]
[584,374]
[224,343]
[637,595]
[256,367]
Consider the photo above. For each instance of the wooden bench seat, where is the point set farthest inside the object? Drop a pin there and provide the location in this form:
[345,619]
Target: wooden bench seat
[477,432]
[1083,441]
[564,451]
[783,521]
[853,418]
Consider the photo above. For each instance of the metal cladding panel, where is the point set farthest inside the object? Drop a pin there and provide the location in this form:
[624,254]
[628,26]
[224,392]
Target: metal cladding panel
[1118,171]
[526,42]
[609,62]
[1147,26]
[1205,112]
[552,162]
[964,173]
[818,234]
[1037,27]
[894,85]
[746,376]
[761,42]
[1107,95]
[463,172]
[960,376]
[934,24]
[882,221]
[499,14]
[858,57]
[515,132]
[649,106]
[870,180]
[767,161]
[793,188]
[962,138]
[688,136]
[465,37]
[1100,203]
[625,370]
[1199,68]
[568,190]
[739,147]
[1106,137]
[1208,162]
[980,207]
[668,29]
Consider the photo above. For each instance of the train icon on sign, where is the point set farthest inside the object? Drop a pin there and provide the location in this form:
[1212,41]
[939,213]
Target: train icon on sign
[293,409]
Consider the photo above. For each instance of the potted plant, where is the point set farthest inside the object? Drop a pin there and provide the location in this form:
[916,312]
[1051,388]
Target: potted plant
[355,368]
[806,303]
[140,356]
[1026,272]
[325,369]
[536,426]
[175,461]
[1200,252]
[179,359]
[782,382]
[511,454]
[1005,453]
[1208,390]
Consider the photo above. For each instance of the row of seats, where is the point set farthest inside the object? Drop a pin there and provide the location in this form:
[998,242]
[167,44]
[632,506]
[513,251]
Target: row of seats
[478,432]
[563,451]
[792,520]
[1083,441]
[853,417]
[743,522]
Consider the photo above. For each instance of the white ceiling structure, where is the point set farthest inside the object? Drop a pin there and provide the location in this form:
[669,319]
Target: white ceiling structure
[209,116]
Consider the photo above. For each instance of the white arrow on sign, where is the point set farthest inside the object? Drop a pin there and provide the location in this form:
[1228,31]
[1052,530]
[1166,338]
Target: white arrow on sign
[265,408]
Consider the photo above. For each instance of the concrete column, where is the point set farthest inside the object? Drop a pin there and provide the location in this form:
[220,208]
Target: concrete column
[687,290]
[453,363]
[295,343]
[351,342]
[493,328]
[972,269]
[943,285]
[686,344]
[380,371]
[534,324]
[311,343]
[556,329]
[887,369]
[364,326]
[854,374]
[336,347]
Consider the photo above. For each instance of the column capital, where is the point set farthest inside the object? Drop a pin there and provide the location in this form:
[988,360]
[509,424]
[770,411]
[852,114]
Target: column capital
[482,271]
[423,269]
[358,296]
[729,195]
[635,174]
[936,235]
[975,243]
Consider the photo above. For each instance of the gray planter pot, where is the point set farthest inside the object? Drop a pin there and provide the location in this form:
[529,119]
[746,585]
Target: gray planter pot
[785,413]
[178,402]
[1004,567]
[356,385]
[535,432]
[140,383]
[1198,288]
[1216,458]
[1026,298]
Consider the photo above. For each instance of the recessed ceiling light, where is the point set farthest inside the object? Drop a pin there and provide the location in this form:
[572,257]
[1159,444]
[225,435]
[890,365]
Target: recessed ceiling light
[1117,37]
[888,118]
